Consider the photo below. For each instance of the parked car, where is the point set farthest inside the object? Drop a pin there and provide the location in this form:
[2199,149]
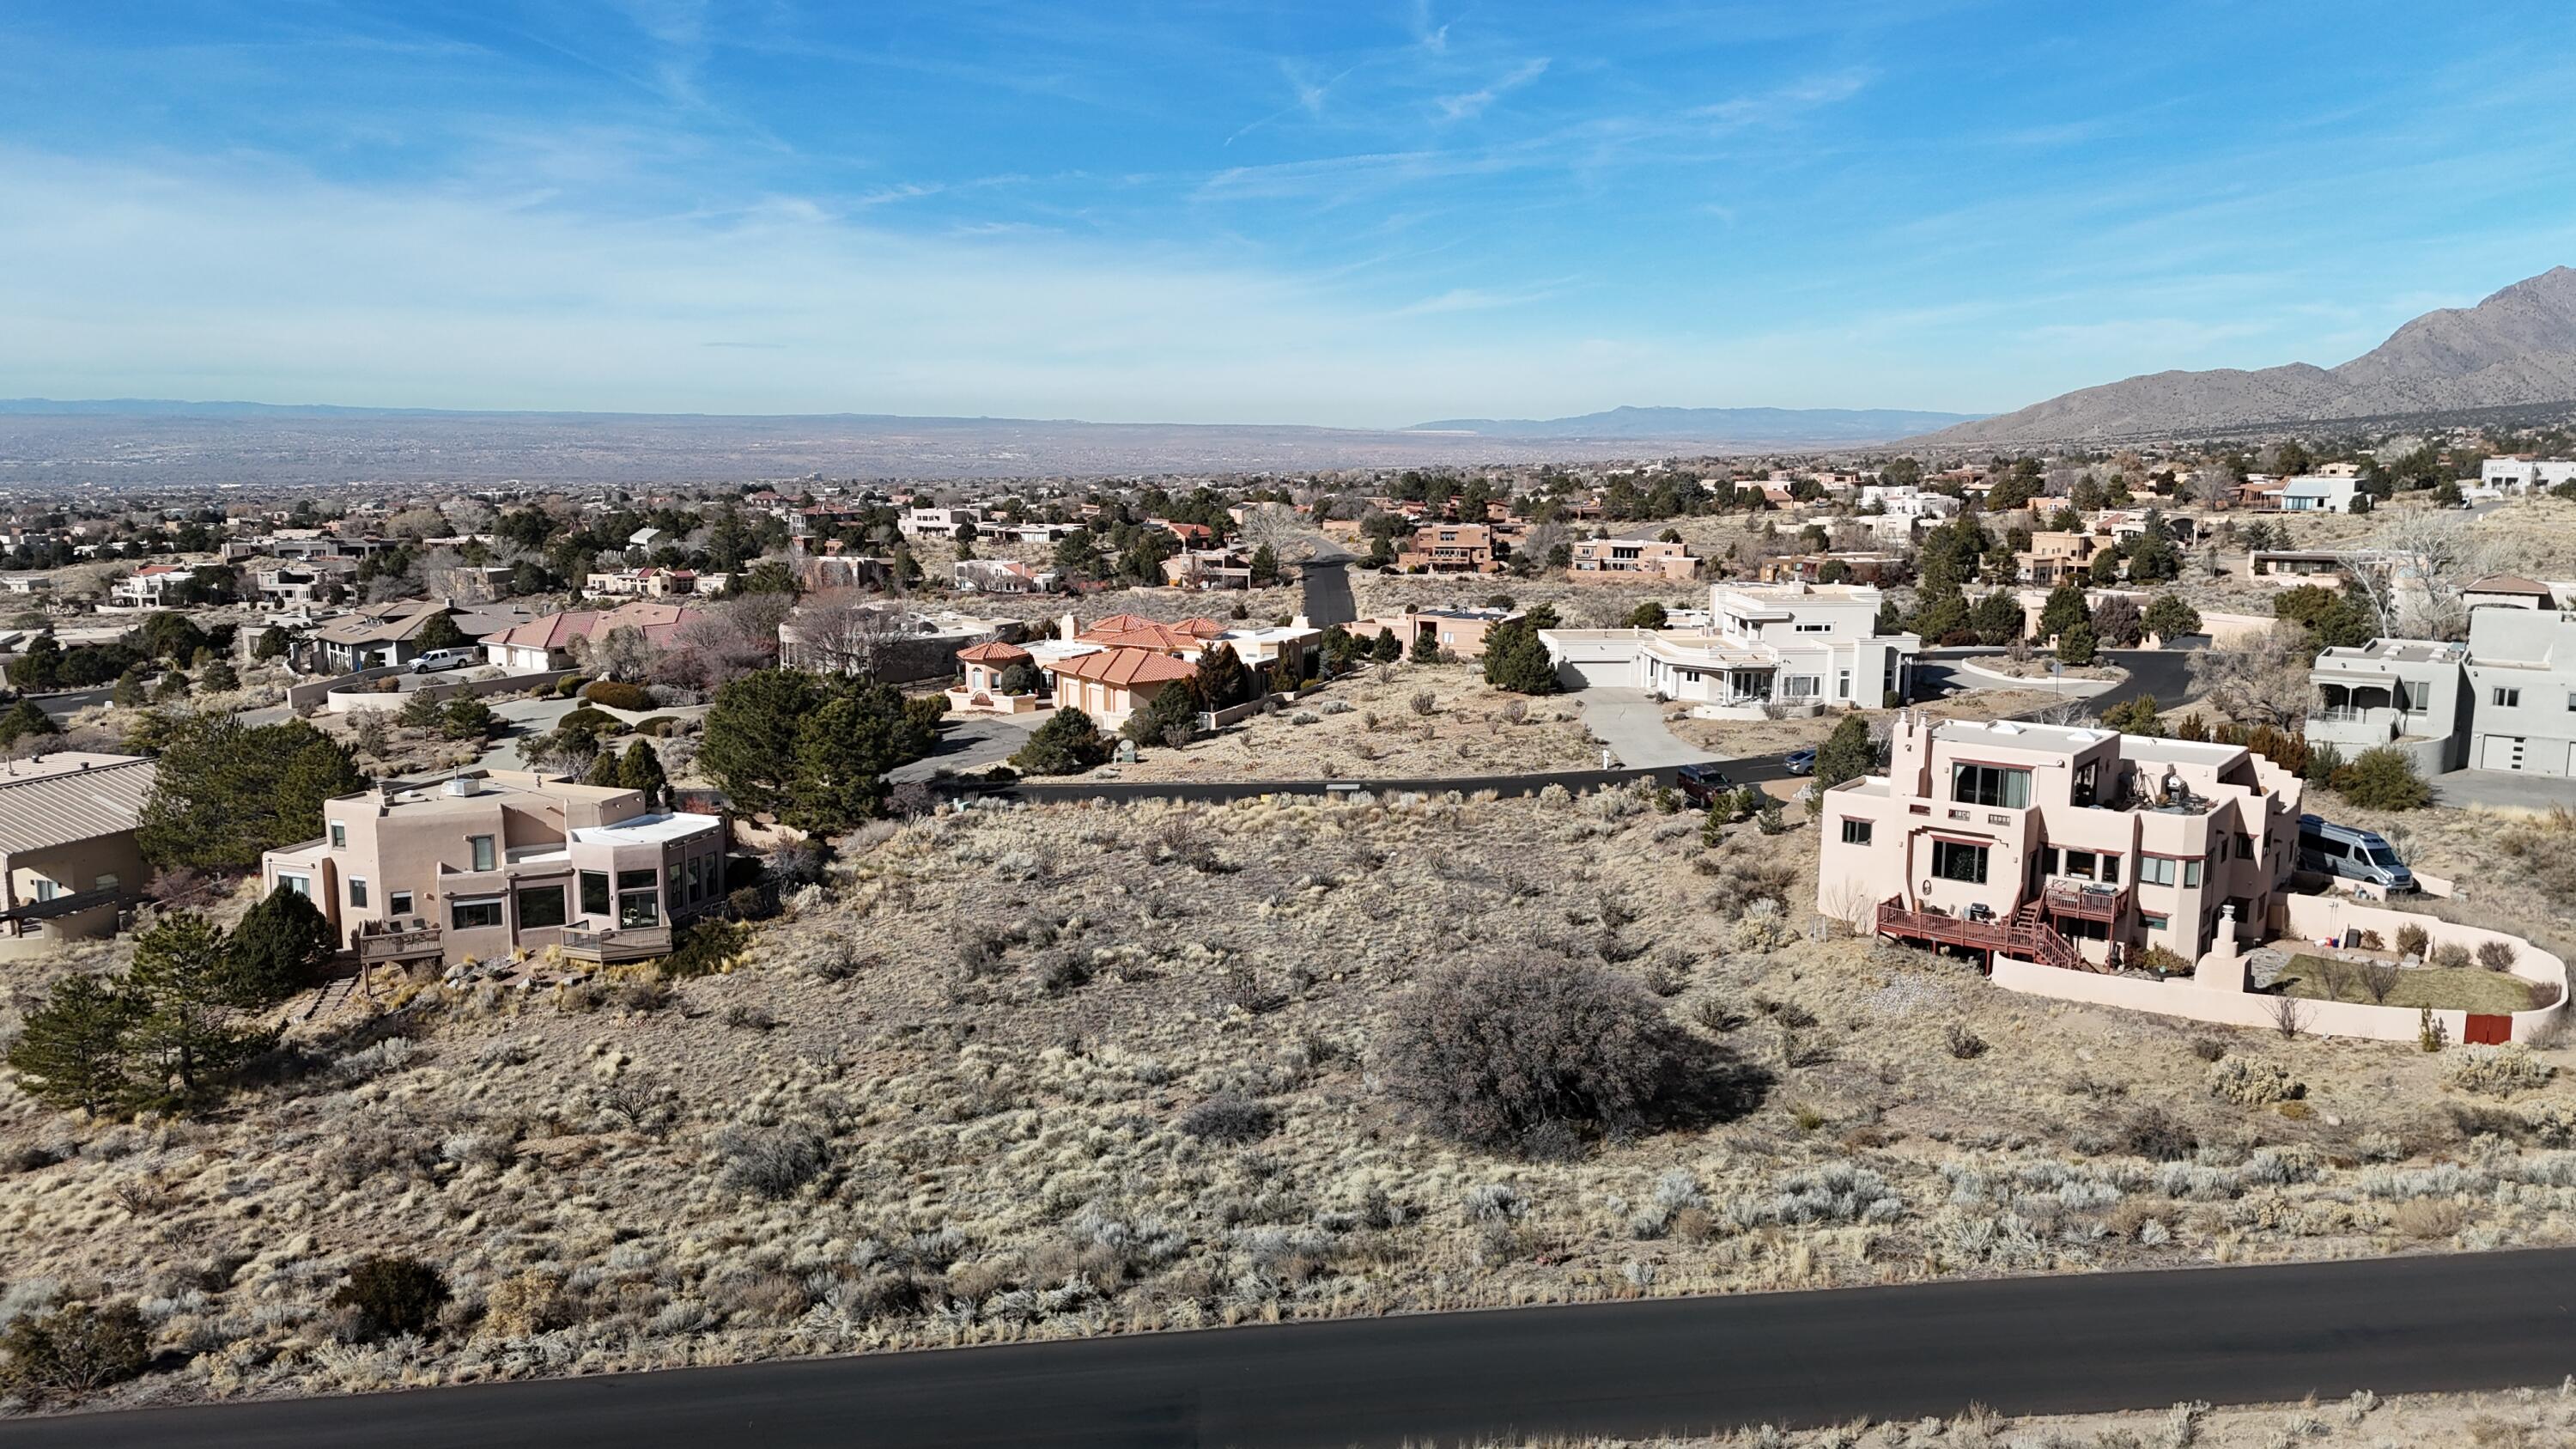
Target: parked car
[441,659]
[1701,784]
[1801,762]
[2350,853]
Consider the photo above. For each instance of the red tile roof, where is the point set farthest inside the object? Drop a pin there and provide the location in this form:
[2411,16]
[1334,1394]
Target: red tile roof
[995,652]
[1126,667]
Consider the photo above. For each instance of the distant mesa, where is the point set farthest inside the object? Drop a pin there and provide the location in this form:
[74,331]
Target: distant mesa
[2515,349]
[1732,426]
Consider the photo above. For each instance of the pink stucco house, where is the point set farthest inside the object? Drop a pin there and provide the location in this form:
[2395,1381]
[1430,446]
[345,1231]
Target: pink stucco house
[2068,847]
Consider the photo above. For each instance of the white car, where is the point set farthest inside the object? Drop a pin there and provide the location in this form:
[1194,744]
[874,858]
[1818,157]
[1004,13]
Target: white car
[442,659]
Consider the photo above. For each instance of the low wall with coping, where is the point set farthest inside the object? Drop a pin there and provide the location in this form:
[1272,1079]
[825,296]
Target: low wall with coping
[353,701]
[2315,918]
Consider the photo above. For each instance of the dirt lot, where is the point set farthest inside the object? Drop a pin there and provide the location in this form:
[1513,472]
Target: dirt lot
[1735,739]
[1372,726]
[944,1101]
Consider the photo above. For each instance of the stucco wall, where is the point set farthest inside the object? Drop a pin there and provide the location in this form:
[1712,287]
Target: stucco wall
[2311,918]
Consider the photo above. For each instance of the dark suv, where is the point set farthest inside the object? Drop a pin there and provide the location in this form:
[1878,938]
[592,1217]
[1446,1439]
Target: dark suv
[1701,784]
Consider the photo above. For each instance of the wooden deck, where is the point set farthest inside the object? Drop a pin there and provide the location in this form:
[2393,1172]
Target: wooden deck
[2029,939]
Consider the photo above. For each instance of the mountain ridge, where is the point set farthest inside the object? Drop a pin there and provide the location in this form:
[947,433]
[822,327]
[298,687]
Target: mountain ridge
[1811,425]
[2515,347]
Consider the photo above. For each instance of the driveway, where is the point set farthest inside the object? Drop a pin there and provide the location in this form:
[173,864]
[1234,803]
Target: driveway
[973,742]
[1631,723]
[2506,788]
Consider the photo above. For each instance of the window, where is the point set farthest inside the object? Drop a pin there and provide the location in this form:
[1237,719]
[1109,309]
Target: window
[2156,923]
[639,898]
[106,881]
[2191,873]
[1953,860]
[2508,698]
[2086,776]
[2244,846]
[44,889]
[1856,832]
[2155,870]
[2110,869]
[399,903]
[594,893]
[541,906]
[474,915]
[482,848]
[357,890]
[302,885]
[339,835]
[1815,628]
[1989,785]
[2080,864]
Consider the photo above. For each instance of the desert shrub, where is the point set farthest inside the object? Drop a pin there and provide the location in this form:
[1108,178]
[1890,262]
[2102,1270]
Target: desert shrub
[1230,1118]
[2160,960]
[2208,1048]
[1067,744]
[618,694]
[2157,1135]
[770,1162]
[1494,1052]
[2251,1083]
[2411,940]
[2497,955]
[527,1304]
[1837,1192]
[2494,1071]
[390,1295]
[2384,778]
[705,947]
[2452,956]
[76,1349]
[1963,1044]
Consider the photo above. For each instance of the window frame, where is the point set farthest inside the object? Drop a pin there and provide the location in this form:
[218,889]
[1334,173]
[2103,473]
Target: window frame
[1857,831]
[605,902]
[519,905]
[1946,851]
[357,893]
[483,852]
[398,903]
[457,909]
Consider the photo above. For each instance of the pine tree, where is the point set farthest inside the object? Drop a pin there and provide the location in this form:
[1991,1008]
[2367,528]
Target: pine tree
[640,768]
[189,1038]
[1387,649]
[1847,755]
[278,947]
[604,771]
[842,753]
[71,1052]
[1223,681]
[1516,659]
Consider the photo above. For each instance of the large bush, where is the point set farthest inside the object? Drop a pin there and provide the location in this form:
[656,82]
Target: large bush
[618,694]
[1516,659]
[392,1295]
[2384,778]
[1526,1053]
[1065,745]
[73,1350]
[226,791]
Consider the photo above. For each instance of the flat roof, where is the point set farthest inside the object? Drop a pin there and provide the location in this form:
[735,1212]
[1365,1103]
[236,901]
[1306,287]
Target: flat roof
[658,829]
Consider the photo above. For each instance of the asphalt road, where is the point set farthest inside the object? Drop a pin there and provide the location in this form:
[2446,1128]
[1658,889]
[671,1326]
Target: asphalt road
[2031,1345]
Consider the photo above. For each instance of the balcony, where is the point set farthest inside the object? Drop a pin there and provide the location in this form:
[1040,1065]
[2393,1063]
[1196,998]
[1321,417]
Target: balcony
[2086,902]
[628,943]
[385,943]
[2026,939]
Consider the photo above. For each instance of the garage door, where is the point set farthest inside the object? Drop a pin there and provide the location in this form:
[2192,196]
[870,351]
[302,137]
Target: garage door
[2500,752]
[1613,673]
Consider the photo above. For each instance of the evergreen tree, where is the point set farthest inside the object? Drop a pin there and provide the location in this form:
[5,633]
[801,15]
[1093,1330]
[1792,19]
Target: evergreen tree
[1068,744]
[1516,658]
[220,677]
[843,750]
[189,1038]
[279,947]
[2064,610]
[753,733]
[603,771]
[1265,566]
[1426,647]
[24,720]
[1997,618]
[640,768]
[2169,618]
[2075,647]
[1223,682]
[466,718]
[1847,754]
[440,633]
[1648,615]
[226,791]
[1386,648]
[130,692]
[70,1055]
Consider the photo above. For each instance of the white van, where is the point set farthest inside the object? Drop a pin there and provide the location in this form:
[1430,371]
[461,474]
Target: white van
[2352,854]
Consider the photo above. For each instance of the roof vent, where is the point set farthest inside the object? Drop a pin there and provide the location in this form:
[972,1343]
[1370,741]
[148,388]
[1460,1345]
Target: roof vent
[2004,727]
[465,785]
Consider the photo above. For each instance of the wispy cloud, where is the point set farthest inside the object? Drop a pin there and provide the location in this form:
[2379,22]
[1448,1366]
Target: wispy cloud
[1468,104]
[1781,103]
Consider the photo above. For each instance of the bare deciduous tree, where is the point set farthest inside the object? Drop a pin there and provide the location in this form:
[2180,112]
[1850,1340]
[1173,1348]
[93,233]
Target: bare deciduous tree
[2258,678]
[2414,573]
[2290,1016]
[845,633]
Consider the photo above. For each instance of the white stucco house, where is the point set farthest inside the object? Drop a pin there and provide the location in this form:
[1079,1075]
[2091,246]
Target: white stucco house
[2523,475]
[1792,644]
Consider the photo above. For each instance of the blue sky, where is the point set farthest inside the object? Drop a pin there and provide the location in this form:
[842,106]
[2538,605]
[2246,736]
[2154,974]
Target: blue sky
[1352,215]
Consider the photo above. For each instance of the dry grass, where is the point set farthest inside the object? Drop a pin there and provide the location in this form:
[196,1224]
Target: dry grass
[972,1119]
[1370,726]
[2438,987]
[1735,739]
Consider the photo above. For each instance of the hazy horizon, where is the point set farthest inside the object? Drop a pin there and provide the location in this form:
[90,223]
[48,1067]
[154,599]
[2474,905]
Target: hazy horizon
[1352,217]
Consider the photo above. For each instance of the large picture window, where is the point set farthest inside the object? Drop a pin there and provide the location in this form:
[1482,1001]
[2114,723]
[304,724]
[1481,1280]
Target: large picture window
[473,915]
[541,906]
[639,898]
[1990,785]
[594,893]
[1954,860]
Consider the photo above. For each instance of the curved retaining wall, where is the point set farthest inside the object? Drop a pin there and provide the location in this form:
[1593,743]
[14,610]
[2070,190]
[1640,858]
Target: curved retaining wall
[2313,918]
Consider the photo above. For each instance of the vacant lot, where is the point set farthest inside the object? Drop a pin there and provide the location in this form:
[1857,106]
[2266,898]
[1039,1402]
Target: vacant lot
[1738,739]
[1072,1070]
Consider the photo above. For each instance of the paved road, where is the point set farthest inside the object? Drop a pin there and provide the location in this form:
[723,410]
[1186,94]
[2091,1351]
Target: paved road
[2032,1345]
[1324,590]
[973,742]
[2506,788]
